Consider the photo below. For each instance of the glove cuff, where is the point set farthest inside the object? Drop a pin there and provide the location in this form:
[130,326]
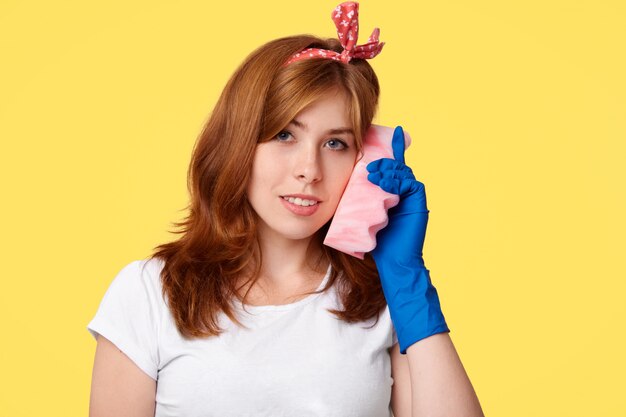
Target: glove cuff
[413,302]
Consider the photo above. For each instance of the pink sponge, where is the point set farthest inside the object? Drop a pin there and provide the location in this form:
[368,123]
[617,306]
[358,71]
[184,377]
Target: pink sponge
[362,211]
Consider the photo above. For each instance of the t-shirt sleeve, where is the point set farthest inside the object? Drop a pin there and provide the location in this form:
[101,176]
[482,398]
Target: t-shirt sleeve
[128,316]
[394,336]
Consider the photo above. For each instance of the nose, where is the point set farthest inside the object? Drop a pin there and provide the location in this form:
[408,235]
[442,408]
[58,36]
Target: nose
[307,166]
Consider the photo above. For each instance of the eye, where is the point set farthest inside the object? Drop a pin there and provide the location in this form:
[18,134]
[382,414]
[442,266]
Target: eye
[337,145]
[283,136]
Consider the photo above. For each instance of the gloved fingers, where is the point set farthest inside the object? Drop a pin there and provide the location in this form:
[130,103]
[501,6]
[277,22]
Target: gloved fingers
[399,183]
[386,164]
[376,176]
[398,144]
[398,178]
[391,185]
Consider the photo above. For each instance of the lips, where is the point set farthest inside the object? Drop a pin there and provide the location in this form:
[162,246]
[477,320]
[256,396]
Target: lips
[302,206]
[301,201]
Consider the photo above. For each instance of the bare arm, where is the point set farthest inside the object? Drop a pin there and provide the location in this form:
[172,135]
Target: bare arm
[118,387]
[401,388]
[439,384]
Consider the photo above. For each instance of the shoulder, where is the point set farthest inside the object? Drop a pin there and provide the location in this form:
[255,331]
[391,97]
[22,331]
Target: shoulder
[131,312]
[142,273]
[138,282]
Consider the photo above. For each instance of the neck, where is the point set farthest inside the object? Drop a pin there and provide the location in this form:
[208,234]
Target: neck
[289,264]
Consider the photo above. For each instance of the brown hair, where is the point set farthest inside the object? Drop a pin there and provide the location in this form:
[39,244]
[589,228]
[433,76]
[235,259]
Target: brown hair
[218,242]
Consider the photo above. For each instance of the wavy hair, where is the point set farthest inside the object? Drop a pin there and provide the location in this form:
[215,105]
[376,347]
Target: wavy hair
[218,236]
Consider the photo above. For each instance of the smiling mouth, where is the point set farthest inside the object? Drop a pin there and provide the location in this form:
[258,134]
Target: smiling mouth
[300,201]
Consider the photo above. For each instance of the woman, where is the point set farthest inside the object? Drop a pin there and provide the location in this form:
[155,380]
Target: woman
[248,313]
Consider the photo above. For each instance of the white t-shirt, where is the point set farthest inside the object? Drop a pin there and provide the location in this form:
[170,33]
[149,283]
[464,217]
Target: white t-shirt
[293,360]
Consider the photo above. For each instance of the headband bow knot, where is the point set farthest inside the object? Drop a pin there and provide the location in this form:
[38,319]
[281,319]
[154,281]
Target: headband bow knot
[346,18]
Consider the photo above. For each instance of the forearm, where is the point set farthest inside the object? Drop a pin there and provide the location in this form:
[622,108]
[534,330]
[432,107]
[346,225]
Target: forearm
[439,384]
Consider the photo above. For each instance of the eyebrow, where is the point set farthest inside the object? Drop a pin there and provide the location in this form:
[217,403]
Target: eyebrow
[330,131]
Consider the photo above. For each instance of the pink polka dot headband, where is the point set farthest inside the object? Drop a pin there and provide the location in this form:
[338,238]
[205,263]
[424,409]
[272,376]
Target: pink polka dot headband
[346,18]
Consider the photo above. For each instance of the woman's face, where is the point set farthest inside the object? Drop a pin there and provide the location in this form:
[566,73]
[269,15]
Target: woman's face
[299,175]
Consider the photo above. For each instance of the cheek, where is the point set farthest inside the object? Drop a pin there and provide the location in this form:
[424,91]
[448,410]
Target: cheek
[263,166]
[346,176]
[256,183]
[348,168]
[342,175]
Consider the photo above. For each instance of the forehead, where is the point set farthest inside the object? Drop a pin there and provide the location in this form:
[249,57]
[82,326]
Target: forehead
[329,109]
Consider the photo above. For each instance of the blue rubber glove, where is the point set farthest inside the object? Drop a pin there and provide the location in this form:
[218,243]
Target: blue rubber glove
[412,299]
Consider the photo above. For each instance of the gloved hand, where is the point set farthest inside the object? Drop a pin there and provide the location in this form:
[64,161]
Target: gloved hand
[412,299]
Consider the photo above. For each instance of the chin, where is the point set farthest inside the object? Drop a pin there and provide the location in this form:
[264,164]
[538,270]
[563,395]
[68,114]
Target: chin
[301,235]
[297,230]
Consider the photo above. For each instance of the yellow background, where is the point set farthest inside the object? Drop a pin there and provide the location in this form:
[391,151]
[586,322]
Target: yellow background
[517,113]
